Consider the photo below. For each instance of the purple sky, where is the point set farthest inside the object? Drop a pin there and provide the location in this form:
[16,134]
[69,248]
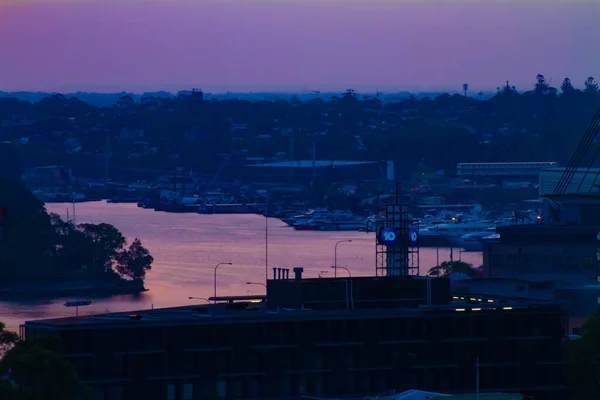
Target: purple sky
[251,45]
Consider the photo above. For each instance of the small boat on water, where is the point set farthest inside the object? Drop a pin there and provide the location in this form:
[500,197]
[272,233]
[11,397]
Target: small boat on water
[77,303]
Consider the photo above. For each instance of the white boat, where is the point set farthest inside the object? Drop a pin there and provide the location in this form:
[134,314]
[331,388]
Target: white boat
[344,224]
[439,235]
[471,241]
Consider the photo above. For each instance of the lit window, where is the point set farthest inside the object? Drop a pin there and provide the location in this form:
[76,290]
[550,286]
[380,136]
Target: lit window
[188,391]
[170,392]
[221,389]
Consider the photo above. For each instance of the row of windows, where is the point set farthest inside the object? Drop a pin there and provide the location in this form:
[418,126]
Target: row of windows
[340,359]
[365,382]
[310,333]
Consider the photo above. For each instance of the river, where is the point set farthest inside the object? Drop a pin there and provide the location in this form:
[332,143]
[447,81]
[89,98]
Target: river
[186,248]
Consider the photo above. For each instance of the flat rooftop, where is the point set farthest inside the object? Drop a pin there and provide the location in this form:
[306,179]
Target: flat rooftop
[248,312]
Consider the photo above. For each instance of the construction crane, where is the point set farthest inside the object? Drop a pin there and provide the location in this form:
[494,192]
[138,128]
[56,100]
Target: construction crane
[585,145]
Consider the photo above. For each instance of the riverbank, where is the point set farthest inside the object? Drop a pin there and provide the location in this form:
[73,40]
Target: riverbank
[72,289]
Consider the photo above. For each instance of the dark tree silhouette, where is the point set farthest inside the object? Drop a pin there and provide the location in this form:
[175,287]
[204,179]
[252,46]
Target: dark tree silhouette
[39,370]
[567,86]
[135,261]
[35,246]
[448,267]
[591,86]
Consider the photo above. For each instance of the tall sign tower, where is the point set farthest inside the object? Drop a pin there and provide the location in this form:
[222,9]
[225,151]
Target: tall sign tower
[397,251]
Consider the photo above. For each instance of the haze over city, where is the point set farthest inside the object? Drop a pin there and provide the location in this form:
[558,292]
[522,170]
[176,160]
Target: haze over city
[63,45]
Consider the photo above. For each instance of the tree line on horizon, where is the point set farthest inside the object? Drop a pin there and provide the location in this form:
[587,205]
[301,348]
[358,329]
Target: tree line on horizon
[542,123]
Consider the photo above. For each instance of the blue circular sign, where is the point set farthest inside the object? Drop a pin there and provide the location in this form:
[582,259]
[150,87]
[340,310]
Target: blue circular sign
[413,236]
[389,236]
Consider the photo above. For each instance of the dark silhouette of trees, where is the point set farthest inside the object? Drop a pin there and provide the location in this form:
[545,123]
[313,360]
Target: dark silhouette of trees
[135,261]
[591,86]
[36,246]
[567,86]
[162,133]
[448,267]
[7,339]
[584,356]
[39,370]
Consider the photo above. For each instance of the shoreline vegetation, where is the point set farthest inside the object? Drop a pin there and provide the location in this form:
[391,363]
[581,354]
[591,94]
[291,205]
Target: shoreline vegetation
[44,256]
[27,291]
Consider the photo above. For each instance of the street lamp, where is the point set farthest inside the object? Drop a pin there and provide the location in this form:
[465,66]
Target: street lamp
[335,255]
[205,299]
[347,270]
[215,280]
[256,283]
[199,298]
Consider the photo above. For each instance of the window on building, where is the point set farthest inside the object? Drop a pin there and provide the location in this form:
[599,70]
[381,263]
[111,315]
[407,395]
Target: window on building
[365,383]
[221,389]
[253,388]
[99,393]
[118,365]
[236,388]
[588,263]
[301,385]
[526,262]
[116,393]
[170,391]
[188,391]
[316,384]
[286,386]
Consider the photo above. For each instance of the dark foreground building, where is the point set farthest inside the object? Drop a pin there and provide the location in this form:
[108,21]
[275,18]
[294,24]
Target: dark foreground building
[319,337]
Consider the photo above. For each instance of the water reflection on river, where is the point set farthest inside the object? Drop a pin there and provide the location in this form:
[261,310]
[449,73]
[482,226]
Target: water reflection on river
[186,247]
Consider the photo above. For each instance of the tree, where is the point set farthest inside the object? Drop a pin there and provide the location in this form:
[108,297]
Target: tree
[106,242]
[584,361]
[7,339]
[448,267]
[541,85]
[567,86]
[135,261]
[36,246]
[591,86]
[26,246]
[38,370]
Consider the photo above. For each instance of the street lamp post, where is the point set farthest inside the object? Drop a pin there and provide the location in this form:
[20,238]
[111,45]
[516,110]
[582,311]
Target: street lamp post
[256,283]
[202,298]
[215,280]
[347,270]
[335,255]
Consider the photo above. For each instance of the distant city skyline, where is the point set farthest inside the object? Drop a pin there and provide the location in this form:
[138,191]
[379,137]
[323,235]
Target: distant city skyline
[295,45]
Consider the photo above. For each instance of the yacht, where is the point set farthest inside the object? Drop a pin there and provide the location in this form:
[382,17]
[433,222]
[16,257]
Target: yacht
[439,235]
[301,218]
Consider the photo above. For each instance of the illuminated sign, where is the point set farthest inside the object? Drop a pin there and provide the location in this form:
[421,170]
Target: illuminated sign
[388,236]
[413,236]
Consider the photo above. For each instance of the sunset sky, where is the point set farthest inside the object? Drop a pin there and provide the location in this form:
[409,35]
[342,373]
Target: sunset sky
[279,45]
